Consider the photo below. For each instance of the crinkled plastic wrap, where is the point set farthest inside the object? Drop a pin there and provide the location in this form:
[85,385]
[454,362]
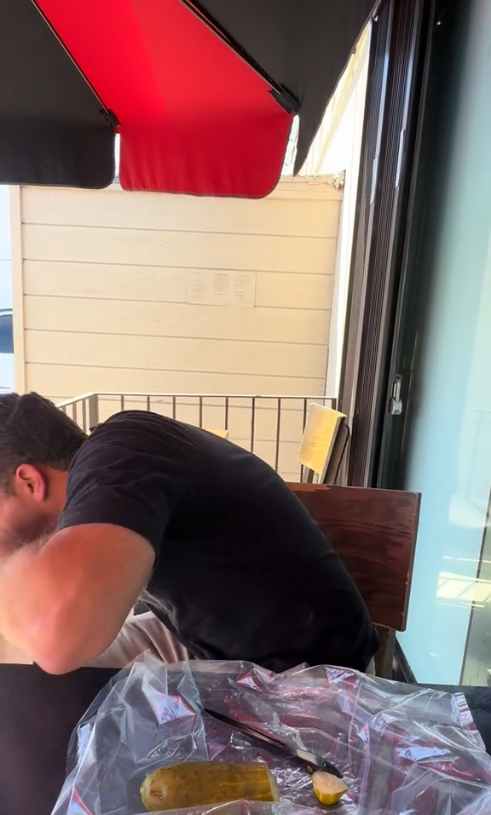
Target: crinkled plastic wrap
[403,751]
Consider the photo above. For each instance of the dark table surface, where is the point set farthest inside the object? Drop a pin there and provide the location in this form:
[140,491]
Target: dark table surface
[39,712]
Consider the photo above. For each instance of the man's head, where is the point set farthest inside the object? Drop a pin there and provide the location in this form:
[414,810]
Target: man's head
[37,444]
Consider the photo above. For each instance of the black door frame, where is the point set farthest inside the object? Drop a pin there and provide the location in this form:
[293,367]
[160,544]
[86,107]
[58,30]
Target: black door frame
[398,66]
[416,280]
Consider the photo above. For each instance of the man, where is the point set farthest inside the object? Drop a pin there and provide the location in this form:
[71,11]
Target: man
[230,561]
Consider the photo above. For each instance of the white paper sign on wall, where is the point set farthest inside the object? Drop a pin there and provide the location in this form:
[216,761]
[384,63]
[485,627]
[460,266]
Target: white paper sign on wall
[221,288]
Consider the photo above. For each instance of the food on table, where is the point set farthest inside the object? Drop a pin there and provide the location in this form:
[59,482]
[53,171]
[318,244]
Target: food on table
[207,782]
[328,788]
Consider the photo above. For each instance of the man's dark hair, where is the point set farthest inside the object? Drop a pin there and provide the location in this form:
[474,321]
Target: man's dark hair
[34,431]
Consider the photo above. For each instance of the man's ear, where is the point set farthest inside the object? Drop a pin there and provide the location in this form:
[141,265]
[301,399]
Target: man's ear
[31,482]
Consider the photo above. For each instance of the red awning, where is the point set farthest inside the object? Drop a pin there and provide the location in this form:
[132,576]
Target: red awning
[202,91]
[193,117]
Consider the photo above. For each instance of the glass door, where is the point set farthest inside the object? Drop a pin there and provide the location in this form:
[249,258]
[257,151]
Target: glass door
[441,444]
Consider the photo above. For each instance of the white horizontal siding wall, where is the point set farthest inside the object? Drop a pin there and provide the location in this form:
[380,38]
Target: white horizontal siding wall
[100,280]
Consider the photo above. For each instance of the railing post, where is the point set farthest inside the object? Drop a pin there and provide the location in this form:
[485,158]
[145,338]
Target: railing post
[253,423]
[93,401]
[278,433]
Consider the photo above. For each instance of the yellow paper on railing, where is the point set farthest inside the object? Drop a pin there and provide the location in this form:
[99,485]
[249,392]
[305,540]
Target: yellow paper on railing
[319,437]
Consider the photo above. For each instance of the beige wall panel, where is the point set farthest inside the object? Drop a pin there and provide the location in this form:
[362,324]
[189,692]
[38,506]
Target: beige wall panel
[53,314]
[113,281]
[175,354]
[276,215]
[50,379]
[204,250]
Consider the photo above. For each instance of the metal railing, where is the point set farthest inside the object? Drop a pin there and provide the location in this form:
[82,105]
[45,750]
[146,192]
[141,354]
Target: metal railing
[270,426]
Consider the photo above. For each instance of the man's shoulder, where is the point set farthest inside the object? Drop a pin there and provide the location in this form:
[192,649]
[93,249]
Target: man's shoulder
[142,432]
[136,418]
[136,444]
[126,421]
[162,427]
[153,436]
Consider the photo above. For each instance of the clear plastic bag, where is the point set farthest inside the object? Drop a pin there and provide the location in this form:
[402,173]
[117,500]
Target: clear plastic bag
[403,751]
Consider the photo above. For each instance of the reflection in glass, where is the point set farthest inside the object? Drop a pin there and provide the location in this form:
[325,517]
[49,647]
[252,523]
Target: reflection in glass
[448,638]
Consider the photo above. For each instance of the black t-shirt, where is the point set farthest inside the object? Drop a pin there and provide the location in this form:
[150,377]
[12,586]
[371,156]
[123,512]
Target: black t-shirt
[241,570]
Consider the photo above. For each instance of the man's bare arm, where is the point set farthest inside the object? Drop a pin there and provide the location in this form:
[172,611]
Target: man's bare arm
[64,600]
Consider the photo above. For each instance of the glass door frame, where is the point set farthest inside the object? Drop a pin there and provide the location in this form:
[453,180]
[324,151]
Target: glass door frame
[415,286]
[397,71]
[415,280]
